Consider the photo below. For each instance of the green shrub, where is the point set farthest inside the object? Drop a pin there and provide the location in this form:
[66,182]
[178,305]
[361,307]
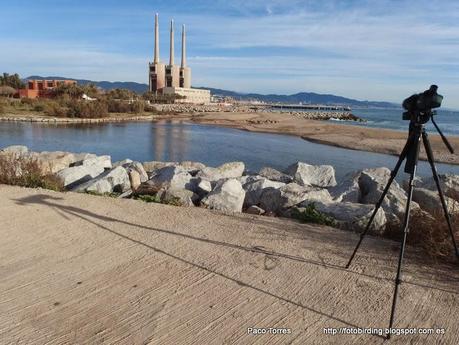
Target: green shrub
[310,215]
[156,199]
[52,108]
[120,106]
[148,198]
[87,109]
[20,170]
[27,101]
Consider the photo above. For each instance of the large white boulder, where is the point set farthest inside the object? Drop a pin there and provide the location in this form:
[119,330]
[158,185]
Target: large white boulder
[275,175]
[178,197]
[372,183]
[429,201]
[16,149]
[228,195]
[449,184]
[254,190]
[224,171]
[280,199]
[165,178]
[52,162]
[348,190]
[114,180]
[191,167]
[156,165]
[312,175]
[352,216]
[73,176]
[105,161]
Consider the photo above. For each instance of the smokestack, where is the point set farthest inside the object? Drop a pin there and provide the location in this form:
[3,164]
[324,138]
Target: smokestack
[171,57]
[156,59]
[183,65]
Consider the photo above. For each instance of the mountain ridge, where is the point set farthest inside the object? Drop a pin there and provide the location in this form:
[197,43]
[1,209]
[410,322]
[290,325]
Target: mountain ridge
[299,97]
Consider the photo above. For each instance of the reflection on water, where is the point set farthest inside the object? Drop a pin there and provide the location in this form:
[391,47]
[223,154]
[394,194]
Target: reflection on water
[175,141]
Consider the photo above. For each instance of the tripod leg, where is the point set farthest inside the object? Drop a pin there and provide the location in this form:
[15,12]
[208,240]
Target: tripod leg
[430,157]
[406,221]
[393,174]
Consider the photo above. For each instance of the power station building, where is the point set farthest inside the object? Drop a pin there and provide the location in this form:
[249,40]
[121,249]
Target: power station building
[172,79]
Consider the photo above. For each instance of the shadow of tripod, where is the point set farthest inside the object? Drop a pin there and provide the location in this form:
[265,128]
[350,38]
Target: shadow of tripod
[419,112]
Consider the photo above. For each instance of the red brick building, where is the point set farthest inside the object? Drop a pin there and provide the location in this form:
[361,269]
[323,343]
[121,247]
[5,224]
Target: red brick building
[42,88]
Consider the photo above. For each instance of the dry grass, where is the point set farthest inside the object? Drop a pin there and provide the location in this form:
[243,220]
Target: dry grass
[21,170]
[430,233]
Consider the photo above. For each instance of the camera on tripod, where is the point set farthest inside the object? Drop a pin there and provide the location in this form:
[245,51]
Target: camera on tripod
[419,106]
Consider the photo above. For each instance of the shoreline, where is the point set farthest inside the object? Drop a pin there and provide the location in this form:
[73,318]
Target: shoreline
[359,138]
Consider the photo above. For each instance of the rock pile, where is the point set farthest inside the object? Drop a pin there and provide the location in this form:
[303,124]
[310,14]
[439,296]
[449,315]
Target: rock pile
[230,188]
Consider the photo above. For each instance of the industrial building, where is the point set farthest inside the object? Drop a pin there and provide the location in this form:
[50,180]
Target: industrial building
[172,79]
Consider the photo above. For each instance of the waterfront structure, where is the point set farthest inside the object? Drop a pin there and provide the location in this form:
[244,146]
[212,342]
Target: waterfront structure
[172,79]
[42,88]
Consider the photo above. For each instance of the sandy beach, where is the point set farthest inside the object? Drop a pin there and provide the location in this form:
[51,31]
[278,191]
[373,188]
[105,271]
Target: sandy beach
[323,132]
[82,269]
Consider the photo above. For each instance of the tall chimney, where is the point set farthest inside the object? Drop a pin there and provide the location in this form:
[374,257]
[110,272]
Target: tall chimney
[183,65]
[171,57]
[156,59]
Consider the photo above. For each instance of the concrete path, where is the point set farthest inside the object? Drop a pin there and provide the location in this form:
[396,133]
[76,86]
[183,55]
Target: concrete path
[80,269]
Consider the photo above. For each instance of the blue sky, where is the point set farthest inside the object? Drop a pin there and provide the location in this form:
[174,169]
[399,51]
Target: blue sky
[377,50]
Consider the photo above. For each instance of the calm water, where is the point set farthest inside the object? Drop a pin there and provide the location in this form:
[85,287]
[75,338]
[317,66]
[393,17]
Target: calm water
[179,141]
[447,120]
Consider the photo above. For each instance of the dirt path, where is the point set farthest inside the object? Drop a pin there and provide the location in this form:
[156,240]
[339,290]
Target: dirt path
[80,269]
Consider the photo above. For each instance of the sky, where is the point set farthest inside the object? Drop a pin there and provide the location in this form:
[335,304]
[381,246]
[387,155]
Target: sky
[368,50]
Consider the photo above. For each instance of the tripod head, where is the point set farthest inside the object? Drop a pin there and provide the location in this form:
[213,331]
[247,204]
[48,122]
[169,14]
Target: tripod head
[419,111]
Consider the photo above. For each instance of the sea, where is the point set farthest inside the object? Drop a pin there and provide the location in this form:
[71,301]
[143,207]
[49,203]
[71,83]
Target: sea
[447,120]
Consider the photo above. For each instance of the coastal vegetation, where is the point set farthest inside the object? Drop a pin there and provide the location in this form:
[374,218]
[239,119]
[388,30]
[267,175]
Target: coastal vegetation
[26,171]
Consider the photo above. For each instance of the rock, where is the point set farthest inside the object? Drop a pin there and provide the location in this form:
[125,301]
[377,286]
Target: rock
[275,175]
[83,155]
[280,199]
[249,179]
[227,196]
[52,162]
[178,197]
[123,163]
[114,180]
[16,149]
[254,189]
[191,167]
[155,165]
[449,184]
[372,183]
[137,166]
[255,210]
[104,161]
[429,201]
[224,171]
[203,187]
[165,178]
[312,175]
[348,190]
[134,178]
[73,176]
[352,216]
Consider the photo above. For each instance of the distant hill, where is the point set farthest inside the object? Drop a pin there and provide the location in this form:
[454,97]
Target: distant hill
[301,97]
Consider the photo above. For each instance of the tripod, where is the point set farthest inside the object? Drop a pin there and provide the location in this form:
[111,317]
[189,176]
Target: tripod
[411,153]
